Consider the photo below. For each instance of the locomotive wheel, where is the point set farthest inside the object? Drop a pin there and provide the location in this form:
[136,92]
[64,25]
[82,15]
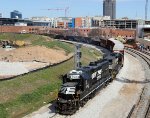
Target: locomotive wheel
[83,102]
[93,94]
[113,74]
[77,105]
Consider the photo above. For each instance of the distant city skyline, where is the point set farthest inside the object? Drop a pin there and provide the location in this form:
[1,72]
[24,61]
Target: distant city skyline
[132,9]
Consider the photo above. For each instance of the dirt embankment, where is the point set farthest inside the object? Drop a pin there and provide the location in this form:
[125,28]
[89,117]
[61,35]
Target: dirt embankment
[34,53]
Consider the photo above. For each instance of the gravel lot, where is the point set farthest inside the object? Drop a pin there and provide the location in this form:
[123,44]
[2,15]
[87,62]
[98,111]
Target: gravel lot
[9,69]
[33,53]
[14,68]
[115,101]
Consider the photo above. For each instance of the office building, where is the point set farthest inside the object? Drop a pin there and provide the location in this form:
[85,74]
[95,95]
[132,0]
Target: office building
[16,14]
[115,23]
[109,8]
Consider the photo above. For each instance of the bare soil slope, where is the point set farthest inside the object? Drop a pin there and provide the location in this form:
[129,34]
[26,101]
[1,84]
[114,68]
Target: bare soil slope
[34,53]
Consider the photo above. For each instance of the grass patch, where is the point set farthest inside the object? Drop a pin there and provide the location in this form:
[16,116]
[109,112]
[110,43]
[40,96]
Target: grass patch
[89,55]
[14,36]
[30,97]
[38,40]
[34,89]
[3,112]
[54,44]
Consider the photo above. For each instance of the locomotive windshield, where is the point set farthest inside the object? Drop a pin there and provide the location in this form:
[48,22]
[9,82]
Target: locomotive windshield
[74,76]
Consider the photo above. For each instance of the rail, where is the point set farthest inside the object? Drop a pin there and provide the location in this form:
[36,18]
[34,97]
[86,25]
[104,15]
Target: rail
[148,111]
[143,55]
[131,111]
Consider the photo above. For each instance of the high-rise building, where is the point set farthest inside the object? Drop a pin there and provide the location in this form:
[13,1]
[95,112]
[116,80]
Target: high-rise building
[109,8]
[16,14]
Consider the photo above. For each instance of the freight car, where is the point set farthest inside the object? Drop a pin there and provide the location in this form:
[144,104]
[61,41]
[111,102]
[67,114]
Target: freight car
[114,46]
[111,44]
[82,84]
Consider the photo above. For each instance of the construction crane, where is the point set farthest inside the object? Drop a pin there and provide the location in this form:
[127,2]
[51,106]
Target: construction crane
[146,9]
[59,9]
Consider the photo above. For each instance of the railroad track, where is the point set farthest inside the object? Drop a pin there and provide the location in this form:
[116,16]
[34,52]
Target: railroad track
[148,111]
[146,57]
[145,52]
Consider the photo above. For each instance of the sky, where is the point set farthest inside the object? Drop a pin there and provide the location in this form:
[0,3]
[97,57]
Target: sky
[132,9]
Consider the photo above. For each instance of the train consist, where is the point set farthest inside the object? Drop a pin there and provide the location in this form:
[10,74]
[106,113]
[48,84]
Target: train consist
[111,44]
[82,84]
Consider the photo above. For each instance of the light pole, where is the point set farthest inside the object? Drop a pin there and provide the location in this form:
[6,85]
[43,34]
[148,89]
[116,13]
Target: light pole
[146,9]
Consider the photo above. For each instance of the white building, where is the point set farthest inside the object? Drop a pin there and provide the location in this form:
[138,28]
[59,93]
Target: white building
[53,22]
[140,30]
[86,22]
[43,21]
[42,18]
[20,24]
[99,20]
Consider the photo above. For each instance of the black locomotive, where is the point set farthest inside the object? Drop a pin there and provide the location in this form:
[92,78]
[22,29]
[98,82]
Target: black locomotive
[82,84]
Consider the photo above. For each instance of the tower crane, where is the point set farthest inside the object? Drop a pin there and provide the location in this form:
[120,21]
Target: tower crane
[59,9]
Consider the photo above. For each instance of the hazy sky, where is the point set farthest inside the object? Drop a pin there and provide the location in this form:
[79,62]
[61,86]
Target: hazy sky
[29,8]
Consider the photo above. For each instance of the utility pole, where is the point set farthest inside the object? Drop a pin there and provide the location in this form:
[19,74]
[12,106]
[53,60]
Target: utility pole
[146,9]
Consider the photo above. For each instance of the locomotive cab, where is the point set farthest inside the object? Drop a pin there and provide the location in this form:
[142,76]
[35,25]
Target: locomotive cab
[68,95]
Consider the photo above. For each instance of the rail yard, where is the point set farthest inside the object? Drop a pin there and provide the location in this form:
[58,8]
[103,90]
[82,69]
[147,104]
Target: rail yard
[75,59]
[127,91]
[124,90]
